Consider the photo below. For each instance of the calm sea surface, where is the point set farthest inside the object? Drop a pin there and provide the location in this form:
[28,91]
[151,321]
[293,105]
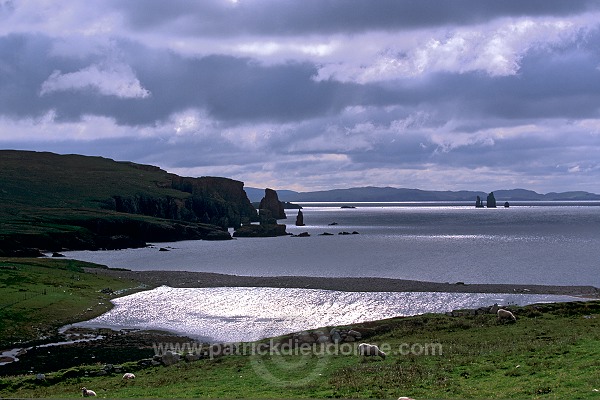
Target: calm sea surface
[554,244]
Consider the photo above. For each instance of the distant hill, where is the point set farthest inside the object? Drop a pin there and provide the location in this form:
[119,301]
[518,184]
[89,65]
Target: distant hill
[383,194]
[255,195]
[56,202]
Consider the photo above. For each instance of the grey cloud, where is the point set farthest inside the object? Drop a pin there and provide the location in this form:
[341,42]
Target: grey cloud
[290,17]
[231,89]
[235,90]
[316,132]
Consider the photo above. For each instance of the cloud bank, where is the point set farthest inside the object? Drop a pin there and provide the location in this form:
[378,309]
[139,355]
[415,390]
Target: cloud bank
[314,94]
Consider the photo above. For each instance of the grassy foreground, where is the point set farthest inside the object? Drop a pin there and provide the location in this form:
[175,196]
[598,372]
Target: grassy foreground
[552,351]
[39,295]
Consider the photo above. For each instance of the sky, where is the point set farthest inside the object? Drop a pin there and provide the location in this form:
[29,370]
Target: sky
[312,94]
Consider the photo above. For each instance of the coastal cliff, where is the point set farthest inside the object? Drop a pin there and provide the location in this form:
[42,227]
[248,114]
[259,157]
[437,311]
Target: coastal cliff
[212,200]
[55,202]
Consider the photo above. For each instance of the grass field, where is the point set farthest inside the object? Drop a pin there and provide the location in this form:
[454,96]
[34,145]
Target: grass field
[552,351]
[39,295]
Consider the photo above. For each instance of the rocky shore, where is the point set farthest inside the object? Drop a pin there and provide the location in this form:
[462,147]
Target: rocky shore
[105,347]
[116,347]
[206,279]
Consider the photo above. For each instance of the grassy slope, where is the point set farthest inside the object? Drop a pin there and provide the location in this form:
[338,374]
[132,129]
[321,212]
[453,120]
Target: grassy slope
[44,196]
[49,180]
[39,295]
[551,352]
[46,199]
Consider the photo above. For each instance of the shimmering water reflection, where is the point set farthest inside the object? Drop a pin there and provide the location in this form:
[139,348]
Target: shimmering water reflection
[228,314]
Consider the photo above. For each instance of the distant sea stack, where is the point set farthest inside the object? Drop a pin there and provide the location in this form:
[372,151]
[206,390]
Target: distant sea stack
[478,202]
[271,203]
[491,200]
[300,218]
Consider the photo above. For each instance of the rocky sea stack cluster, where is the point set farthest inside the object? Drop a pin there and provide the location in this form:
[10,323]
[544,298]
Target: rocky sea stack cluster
[491,202]
[270,210]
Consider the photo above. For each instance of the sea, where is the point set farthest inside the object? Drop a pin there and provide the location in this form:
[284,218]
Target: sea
[550,243]
[547,244]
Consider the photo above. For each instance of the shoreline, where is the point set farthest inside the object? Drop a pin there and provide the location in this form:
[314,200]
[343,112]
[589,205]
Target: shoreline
[189,279]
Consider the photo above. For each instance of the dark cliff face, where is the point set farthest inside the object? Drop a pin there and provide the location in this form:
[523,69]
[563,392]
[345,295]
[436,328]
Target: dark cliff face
[55,202]
[222,200]
[211,200]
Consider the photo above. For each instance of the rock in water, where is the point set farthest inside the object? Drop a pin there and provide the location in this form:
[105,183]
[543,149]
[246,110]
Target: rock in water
[271,202]
[263,230]
[478,203]
[300,219]
[491,200]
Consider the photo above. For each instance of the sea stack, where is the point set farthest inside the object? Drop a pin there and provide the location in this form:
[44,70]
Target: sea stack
[300,218]
[478,203]
[491,200]
[271,203]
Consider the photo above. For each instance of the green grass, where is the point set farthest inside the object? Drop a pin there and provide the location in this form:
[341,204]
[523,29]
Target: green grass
[54,202]
[552,352]
[36,179]
[39,295]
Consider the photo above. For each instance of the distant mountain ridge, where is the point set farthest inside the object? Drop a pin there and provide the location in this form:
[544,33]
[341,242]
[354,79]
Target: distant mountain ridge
[383,194]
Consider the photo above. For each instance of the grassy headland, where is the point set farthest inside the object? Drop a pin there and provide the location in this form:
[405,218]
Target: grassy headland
[552,351]
[37,296]
[52,202]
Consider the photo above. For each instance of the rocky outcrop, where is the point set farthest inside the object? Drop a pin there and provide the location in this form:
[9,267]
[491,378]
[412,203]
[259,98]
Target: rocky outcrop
[268,226]
[271,203]
[106,232]
[213,200]
[303,234]
[335,335]
[97,203]
[478,203]
[491,200]
[263,230]
[300,218]
[292,206]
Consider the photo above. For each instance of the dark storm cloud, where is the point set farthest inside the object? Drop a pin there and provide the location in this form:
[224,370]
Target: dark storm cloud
[321,93]
[291,17]
[230,88]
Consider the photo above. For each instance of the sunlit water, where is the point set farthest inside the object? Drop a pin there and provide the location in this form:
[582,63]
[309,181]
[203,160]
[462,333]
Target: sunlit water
[550,244]
[246,314]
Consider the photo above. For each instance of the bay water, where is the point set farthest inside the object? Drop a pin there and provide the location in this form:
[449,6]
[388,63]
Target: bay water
[552,244]
[225,314]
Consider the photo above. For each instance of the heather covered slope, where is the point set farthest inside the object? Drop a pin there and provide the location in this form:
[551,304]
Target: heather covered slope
[52,202]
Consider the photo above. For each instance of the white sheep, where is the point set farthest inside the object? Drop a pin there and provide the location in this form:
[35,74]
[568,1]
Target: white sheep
[365,349]
[87,393]
[505,314]
[128,376]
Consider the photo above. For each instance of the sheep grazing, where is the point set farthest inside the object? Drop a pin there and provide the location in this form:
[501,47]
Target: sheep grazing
[365,349]
[505,315]
[128,376]
[87,393]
